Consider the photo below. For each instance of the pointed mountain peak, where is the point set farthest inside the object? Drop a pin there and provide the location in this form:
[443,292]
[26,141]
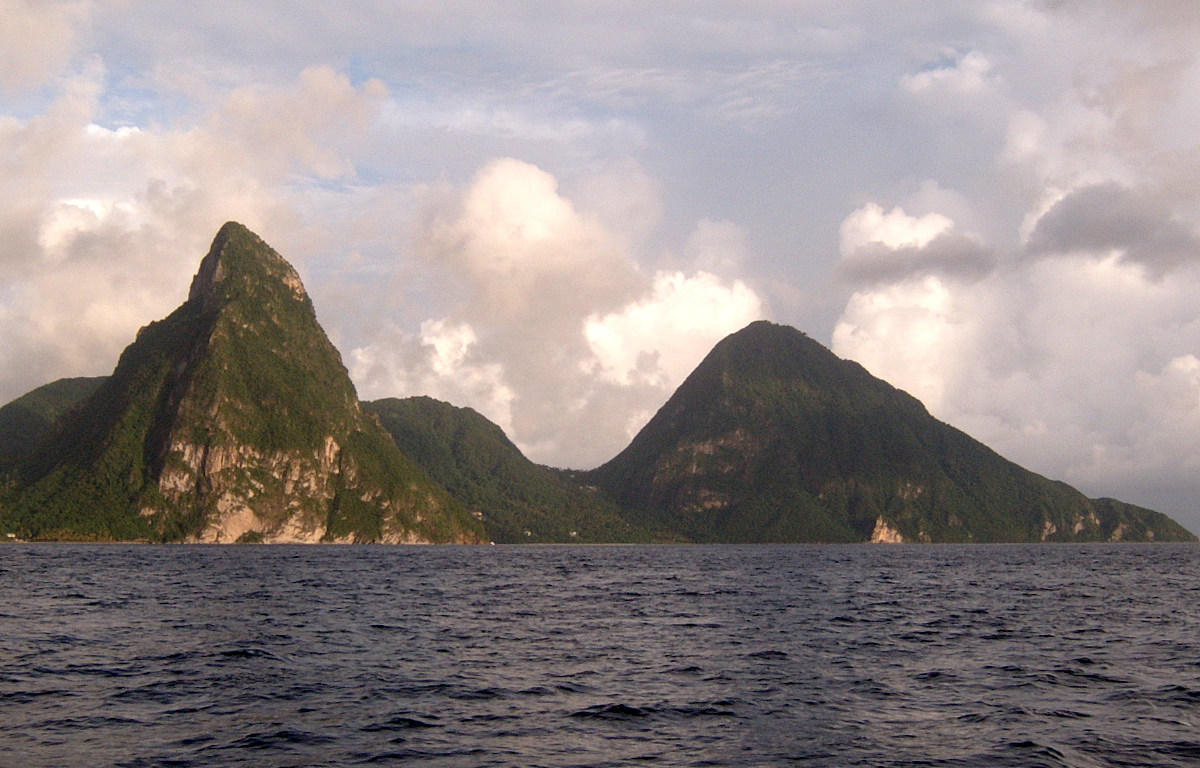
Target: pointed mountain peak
[765,328]
[231,419]
[240,263]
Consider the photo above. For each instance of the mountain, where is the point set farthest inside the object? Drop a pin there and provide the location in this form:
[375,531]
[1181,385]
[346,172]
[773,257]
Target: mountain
[774,438]
[27,420]
[232,419]
[473,459]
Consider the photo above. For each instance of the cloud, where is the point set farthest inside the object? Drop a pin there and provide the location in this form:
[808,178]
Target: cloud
[1077,365]
[692,312]
[1006,357]
[108,223]
[870,226]
[442,361]
[1057,328]
[904,332]
[962,74]
[878,246]
[309,127]
[743,93]
[718,246]
[37,40]
[625,200]
[523,249]
[1168,434]
[559,336]
[1109,217]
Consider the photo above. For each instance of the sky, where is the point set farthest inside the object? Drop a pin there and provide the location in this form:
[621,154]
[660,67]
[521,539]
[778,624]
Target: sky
[551,211]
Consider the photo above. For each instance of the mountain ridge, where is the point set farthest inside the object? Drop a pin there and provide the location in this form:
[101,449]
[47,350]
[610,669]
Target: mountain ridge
[520,501]
[26,420]
[234,419]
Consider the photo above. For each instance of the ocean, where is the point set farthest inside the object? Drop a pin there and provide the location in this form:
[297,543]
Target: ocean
[924,655]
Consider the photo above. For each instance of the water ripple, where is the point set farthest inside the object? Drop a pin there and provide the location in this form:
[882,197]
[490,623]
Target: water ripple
[1080,656]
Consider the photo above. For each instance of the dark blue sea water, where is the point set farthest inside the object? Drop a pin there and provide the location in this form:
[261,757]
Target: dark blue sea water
[600,656]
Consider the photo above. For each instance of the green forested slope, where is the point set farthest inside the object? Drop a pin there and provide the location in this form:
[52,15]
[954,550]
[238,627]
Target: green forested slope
[774,438]
[474,460]
[27,421]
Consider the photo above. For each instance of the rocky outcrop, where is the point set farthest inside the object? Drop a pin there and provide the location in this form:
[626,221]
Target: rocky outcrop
[281,501]
[885,534]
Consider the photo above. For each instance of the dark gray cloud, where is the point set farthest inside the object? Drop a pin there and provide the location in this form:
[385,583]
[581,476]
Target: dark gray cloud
[1110,217]
[949,254]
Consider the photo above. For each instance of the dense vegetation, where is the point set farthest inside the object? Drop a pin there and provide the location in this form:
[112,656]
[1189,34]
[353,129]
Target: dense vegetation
[473,459]
[774,438]
[27,420]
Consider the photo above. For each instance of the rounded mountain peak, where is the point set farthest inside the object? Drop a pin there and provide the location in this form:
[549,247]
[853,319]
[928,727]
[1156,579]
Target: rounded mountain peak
[764,351]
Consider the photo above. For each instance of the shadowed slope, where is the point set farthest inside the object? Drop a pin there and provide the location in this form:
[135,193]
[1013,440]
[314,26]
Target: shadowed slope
[473,459]
[26,421]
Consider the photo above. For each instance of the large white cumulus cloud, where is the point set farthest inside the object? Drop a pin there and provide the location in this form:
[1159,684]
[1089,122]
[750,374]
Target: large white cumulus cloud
[656,338]
[120,164]
[1077,366]
[560,337]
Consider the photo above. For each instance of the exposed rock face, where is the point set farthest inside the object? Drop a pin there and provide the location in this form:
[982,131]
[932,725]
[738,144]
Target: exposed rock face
[885,534]
[233,419]
[774,438]
[283,500]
